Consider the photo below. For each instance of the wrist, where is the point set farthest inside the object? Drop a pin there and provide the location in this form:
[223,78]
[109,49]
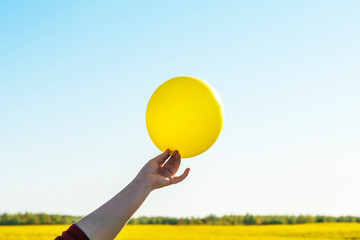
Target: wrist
[143,184]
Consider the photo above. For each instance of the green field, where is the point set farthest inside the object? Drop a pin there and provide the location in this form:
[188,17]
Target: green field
[162,232]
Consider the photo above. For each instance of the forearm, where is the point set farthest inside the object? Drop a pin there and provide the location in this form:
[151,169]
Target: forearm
[108,220]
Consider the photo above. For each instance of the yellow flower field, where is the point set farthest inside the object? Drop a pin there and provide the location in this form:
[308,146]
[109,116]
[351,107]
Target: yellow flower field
[161,232]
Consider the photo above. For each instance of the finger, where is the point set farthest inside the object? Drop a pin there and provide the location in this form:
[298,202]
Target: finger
[172,165]
[177,179]
[162,157]
[176,164]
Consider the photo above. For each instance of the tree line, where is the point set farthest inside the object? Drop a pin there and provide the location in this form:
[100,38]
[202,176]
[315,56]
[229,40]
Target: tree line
[36,219]
[248,219]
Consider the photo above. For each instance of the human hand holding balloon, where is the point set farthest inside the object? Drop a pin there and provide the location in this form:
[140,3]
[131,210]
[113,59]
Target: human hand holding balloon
[184,116]
[158,172]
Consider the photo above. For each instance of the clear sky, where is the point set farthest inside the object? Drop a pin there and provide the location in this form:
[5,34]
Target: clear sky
[76,76]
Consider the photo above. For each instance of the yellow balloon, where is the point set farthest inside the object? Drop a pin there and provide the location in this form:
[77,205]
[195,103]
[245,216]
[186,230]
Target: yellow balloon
[184,114]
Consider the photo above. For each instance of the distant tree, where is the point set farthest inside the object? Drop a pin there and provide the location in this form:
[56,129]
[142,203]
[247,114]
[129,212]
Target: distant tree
[249,219]
[211,220]
[181,221]
[301,219]
[290,219]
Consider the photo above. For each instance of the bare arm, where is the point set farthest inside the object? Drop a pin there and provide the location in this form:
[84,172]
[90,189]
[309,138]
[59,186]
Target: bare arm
[106,222]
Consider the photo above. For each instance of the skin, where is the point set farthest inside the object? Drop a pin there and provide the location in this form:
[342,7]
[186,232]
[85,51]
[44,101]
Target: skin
[106,222]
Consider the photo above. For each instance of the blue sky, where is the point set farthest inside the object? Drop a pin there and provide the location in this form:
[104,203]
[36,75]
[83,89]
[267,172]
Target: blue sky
[75,79]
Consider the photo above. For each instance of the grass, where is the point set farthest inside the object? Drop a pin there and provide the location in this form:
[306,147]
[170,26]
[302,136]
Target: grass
[318,231]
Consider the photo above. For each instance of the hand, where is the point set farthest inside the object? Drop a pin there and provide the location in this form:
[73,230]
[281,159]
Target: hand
[159,174]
